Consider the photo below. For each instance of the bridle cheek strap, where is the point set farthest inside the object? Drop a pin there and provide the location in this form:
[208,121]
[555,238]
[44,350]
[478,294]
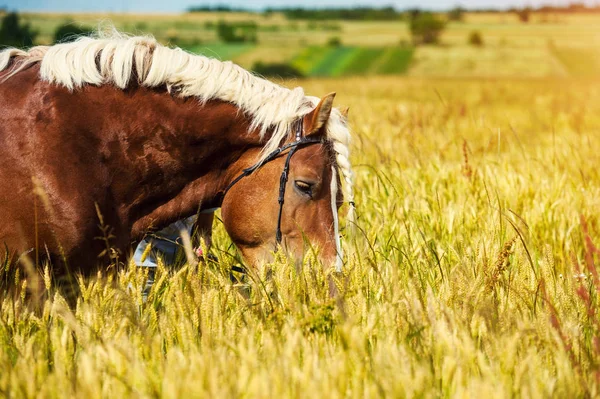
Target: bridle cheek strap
[282,185]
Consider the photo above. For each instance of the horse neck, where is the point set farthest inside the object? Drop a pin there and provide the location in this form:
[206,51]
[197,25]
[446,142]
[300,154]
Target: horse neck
[180,154]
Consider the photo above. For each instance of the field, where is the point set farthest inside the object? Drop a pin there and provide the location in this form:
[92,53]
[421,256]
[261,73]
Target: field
[552,45]
[473,271]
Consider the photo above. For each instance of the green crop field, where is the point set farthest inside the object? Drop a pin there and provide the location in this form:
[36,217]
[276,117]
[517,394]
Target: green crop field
[350,61]
[472,271]
[362,61]
[394,61]
[333,62]
[221,51]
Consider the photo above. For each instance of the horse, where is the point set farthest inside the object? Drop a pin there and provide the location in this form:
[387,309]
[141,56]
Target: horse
[106,138]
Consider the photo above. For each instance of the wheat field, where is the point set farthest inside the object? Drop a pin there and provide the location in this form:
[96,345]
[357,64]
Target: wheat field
[472,271]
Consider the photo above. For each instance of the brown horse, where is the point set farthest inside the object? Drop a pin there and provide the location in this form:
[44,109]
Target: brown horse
[144,135]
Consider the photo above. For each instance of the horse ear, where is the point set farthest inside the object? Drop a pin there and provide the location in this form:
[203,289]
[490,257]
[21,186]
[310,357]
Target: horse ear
[344,112]
[320,114]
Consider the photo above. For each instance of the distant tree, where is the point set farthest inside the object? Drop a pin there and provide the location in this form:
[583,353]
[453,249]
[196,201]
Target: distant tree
[226,32]
[524,14]
[248,30]
[70,31]
[456,14]
[15,34]
[426,28]
[413,13]
[334,41]
[576,6]
[237,32]
[217,9]
[355,13]
[279,70]
[141,26]
[404,43]
[475,39]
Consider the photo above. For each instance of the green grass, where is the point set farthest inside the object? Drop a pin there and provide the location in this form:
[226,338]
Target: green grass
[395,61]
[310,56]
[221,51]
[362,61]
[471,272]
[349,61]
[333,62]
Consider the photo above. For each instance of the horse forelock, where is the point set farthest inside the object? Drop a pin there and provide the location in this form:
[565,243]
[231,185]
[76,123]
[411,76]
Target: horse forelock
[118,59]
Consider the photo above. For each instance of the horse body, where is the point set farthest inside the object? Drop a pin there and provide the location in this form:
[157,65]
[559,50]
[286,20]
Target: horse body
[141,157]
[145,158]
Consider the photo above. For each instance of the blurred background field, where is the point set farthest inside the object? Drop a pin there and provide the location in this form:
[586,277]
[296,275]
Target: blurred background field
[548,45]
[474,268]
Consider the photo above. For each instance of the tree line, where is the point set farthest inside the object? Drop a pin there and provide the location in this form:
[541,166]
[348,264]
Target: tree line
[389,13]
[351,14]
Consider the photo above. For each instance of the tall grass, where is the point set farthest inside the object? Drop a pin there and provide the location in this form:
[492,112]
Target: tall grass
[474,271]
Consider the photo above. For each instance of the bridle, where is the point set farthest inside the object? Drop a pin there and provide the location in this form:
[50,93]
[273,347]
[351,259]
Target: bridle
[283,179]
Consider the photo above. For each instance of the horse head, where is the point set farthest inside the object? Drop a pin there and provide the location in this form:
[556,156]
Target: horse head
[291,198]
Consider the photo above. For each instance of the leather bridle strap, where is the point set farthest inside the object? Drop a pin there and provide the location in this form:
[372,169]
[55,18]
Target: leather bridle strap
[282,185]
[269,158]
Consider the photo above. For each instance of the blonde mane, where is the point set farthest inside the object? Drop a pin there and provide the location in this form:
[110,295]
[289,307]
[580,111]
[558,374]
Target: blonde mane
[118,59]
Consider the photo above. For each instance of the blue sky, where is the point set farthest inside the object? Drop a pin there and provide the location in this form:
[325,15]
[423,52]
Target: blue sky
[181,5]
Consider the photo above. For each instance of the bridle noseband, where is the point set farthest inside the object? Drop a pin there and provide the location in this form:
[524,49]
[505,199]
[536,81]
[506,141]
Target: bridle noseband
[283,179]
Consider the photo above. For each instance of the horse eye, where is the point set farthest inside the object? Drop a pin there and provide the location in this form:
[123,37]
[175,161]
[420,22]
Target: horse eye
[304,187]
